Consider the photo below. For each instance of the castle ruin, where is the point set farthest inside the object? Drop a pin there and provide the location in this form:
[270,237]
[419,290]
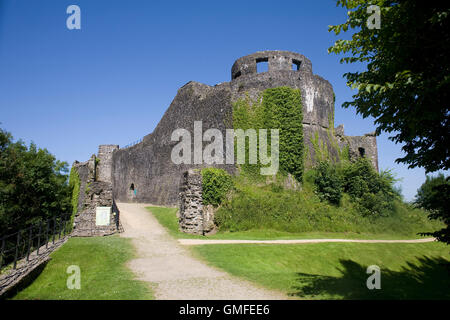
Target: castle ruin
[144,172]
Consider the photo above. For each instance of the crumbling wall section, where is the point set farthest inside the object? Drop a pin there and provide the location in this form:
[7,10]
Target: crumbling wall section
[359,146]
[104,162]
[194,217]
[96,191]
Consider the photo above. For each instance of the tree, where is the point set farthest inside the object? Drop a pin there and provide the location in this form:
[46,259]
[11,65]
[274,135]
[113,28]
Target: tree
[328,182]
[33,184]
[434,196]
[406,82]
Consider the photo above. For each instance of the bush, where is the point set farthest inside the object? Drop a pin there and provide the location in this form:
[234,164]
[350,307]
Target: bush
[328,182]
[268,207]
[216,184]
[429,194]
[373,192]
[434,196]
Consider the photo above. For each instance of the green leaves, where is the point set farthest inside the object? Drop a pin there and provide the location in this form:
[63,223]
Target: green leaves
[283,109]
[404,82]
[329,182]
[372,193]
[277,108]
[33,184]
[216,184]
[434,196]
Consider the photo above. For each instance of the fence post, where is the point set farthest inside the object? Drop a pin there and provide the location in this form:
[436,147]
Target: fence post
[59,228]
[30,235]
[39,237]
[17,250]
[2,249]
[54,227]
[64,226]
[46,235]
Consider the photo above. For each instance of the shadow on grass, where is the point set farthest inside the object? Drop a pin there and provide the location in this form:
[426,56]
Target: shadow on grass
[428,278]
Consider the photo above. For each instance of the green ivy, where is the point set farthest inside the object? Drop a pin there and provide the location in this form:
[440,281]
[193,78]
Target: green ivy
[320,148]
[216,184]
[74,185]
[276,108]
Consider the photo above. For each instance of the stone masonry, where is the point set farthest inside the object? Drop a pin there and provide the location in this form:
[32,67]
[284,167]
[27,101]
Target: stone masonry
[194,217]
[145,172]
[95,191]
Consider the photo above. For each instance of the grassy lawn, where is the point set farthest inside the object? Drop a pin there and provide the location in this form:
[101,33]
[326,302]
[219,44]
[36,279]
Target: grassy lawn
[103,272]
[167,217]
[338,270]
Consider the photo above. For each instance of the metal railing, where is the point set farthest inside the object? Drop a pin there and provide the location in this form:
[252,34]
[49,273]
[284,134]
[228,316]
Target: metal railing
[132,143]
[21,244]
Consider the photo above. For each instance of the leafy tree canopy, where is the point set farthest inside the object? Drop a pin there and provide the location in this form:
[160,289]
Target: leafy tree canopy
[406,83]
[33,184]
[434,196]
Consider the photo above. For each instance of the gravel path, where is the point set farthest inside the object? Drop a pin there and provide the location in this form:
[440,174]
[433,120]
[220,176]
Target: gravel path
[177,275]
[195,242]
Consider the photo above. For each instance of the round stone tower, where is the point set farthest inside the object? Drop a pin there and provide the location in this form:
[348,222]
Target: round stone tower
[290,69]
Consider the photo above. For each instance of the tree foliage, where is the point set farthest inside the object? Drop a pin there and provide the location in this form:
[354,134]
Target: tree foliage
[372,193]
[329,182]
[216,184]
[33,184]
[434,196]
[406,82]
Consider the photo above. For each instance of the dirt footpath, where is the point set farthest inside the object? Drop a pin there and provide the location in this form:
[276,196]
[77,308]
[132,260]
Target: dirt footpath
[177,275]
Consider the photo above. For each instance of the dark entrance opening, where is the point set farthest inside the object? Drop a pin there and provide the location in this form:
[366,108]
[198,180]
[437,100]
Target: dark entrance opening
[132,187]
[362,152]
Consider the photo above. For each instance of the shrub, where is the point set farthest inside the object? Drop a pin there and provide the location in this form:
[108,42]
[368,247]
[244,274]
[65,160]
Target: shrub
[216,184]
[328,182]
[373,192]
[434,196]
[267,207]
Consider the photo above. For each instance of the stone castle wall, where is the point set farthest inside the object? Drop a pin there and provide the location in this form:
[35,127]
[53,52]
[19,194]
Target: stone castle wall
[194,217]
[95,191]
[145,171]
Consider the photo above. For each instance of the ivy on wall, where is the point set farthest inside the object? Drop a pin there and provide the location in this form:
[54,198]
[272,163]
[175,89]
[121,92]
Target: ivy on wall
[216,184]
[74,185]
[283,110]
[276,108]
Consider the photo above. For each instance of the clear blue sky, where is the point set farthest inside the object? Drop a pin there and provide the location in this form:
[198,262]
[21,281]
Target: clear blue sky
[111,81]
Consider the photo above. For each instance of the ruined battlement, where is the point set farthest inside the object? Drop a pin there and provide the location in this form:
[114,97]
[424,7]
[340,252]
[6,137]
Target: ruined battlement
[277,61]
[144,171]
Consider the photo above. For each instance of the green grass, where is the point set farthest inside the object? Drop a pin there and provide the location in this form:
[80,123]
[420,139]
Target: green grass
[338,270]
[103,272]
[167,218]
